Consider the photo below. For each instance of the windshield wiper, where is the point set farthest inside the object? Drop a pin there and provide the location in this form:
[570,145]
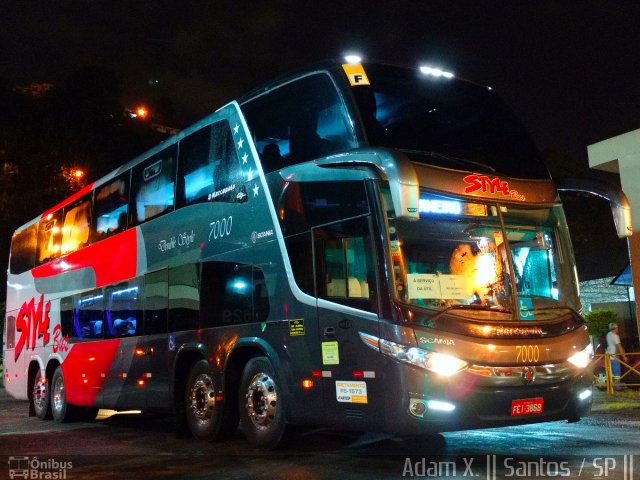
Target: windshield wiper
[450,158]
[483,308]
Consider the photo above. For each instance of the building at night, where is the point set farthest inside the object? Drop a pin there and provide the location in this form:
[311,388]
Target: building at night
[621,155]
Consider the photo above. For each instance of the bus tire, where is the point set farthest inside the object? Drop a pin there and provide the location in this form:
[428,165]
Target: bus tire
[41,396]
[261,404]
[206,416]
[62,412]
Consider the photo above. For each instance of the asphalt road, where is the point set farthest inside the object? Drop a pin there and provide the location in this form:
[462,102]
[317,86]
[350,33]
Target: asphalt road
[123,446]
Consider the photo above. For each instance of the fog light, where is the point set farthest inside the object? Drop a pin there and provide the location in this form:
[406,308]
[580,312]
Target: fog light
[583,395]
[417,407]
[441,406]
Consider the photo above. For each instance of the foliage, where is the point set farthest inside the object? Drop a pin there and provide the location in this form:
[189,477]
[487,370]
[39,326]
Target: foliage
[598,320]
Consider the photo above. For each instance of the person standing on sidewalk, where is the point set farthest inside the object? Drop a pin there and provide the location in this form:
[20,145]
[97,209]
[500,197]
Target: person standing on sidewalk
[614,347]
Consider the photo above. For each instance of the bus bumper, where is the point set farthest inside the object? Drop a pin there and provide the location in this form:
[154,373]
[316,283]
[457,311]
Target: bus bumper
[462,402]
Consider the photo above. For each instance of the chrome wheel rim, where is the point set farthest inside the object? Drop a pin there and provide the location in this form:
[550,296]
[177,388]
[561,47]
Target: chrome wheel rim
[58,394]
[40,393]
[262,400]
[202,398]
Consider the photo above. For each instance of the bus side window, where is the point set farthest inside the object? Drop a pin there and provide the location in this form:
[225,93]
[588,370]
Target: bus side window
[209,169]
[152,186]
[76,225]
[111,207]
[88,316]
[303,205]
[23,250]
[229,290]
[287,132]
[184,297]
[123,310]
[344,264]
[49,236]
[156,294]
[10,330]
[66,317]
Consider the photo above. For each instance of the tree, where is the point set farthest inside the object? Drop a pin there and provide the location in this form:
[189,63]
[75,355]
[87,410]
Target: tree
[43,136]
[598,321]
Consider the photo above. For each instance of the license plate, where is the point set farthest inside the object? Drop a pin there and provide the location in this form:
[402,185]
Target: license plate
[527,406]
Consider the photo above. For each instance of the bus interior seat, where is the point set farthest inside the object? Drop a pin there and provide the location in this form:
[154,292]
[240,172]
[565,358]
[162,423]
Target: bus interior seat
[272,159]
[97,329]
[337,288]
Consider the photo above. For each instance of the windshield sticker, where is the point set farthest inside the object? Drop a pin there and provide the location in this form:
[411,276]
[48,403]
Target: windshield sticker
[454,286]
[491,185]
[431,286]
[356,75]
[351,392]
[525,307]
[423,285]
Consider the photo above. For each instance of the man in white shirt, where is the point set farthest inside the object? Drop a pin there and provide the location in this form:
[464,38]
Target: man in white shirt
[614,347]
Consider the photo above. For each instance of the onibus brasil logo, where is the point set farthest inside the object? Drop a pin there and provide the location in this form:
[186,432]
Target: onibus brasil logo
[34,468]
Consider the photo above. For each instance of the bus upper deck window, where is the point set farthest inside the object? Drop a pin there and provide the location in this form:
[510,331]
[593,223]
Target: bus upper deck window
[152,186]
[111,204]
[49,235]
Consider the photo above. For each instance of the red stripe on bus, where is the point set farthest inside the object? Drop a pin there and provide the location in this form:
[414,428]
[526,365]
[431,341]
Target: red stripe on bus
[86,368]
[67,201]
[113,260]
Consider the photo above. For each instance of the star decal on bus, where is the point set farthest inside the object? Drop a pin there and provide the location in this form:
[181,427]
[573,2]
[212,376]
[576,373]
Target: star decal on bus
[240,143]
[250,174]
[236,128]
[255,189]
[244,158]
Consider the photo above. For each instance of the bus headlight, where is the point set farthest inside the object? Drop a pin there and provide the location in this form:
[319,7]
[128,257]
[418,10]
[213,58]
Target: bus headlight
[439,363]
[583,358]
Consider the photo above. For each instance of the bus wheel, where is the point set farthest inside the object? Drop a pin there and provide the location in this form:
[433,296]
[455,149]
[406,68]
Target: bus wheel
[62,412]
[41,396]
[261,406]
[207,417]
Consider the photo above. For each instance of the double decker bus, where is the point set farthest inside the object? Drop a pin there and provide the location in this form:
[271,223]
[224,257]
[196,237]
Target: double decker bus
[365,246]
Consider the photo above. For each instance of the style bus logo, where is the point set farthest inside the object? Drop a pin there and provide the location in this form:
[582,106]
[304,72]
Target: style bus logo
[491,185]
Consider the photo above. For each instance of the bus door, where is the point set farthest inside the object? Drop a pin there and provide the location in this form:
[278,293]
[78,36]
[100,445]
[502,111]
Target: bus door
[347,304]
[157,344]
[138,317]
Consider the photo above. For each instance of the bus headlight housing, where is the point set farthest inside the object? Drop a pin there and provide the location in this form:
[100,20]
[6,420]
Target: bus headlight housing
[582,359]
[439,363]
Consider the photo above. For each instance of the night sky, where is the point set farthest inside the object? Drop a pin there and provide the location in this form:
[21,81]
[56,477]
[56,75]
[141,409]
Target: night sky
[570,69]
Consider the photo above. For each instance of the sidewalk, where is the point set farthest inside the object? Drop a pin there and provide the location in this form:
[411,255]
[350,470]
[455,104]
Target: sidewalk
[624,400]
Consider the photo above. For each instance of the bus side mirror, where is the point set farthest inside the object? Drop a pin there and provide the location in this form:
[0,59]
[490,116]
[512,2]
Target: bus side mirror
[620,207]
[395,168]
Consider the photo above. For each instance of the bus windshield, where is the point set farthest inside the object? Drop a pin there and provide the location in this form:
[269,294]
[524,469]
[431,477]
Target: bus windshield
[445,122]
[484,255]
